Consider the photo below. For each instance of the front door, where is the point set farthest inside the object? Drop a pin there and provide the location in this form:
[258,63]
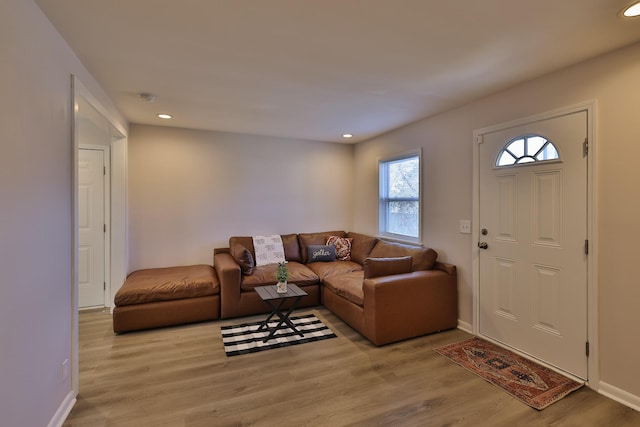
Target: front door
[91,228]
[533,231]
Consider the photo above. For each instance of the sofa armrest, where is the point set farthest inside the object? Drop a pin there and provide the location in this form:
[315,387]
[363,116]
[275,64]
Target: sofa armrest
[230,276]
[407,305]
[447,268]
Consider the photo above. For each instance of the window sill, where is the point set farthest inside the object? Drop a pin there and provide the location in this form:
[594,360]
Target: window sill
[401,239]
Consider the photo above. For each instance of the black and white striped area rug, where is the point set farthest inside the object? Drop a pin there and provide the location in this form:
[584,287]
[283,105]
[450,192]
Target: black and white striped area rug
[244,338]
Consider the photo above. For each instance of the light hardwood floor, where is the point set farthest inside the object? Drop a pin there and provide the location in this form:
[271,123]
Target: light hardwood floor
[180,376]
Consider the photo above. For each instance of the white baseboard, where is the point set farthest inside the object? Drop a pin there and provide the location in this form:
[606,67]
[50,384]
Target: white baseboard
[467,327]
[63,411]
[619,395]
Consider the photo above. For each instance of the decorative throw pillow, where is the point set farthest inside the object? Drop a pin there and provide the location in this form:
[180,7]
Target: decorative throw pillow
[268,249]
[376,267]
[244,259]
[343,247]
[321,253]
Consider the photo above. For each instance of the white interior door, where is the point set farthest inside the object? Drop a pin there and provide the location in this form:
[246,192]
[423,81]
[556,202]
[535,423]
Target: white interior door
[91,232]
[533,220]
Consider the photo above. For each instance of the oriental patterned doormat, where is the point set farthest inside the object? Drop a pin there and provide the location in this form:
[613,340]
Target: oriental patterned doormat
[535,385]
[245,338]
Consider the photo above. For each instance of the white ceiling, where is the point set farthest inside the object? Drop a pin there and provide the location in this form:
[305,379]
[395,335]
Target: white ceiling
[314,69]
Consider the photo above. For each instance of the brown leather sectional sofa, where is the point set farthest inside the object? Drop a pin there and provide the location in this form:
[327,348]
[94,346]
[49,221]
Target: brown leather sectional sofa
[386,291]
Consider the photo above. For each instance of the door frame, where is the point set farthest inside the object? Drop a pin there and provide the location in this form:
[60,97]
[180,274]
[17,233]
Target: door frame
[118,213]
[592,277]
[106,179]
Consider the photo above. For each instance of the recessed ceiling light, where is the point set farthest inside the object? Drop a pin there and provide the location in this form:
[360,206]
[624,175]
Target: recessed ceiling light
[347,135]
[165,116]
[633,10]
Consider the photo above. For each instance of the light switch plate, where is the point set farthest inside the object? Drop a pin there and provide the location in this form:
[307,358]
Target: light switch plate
[465,226]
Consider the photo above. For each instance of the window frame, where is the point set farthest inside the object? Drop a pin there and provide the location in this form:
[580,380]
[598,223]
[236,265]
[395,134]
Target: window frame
[384,200]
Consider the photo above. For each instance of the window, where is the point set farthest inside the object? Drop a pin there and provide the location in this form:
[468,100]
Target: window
[527,149]
[400,199]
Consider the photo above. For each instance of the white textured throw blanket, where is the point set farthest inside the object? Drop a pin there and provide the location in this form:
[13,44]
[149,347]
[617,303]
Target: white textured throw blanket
[269,249]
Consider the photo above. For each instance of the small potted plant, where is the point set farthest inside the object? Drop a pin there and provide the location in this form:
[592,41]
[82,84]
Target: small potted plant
[282,274]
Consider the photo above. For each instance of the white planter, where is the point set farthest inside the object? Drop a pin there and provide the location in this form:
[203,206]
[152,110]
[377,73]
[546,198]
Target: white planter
[281,287]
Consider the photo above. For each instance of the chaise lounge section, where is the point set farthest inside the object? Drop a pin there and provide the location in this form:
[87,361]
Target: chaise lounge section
[169,296]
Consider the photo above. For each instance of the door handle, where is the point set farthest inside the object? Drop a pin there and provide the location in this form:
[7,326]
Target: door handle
[483,245]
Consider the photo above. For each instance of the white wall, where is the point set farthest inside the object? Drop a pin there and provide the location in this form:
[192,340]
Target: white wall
[190,190]
[35,214]
[611,80]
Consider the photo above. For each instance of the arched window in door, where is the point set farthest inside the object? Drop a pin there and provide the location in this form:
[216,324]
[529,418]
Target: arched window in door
[527,149]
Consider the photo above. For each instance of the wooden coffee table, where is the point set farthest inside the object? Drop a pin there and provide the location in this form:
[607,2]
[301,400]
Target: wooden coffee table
[276,301]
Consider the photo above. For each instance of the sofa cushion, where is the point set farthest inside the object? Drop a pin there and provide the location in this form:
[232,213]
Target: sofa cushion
[343,247]
[326,269]
[348,286]
[376,267]
[265,275]
[165,284]
[306,239]
[244,258]
[291,247]
[321,253]
[361,246]
[423,258]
